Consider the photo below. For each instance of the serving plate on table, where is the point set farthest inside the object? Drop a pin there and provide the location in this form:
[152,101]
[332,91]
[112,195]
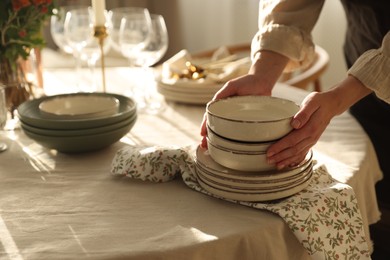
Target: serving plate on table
[80,143]
[78,127]
[30,113]
[78,132]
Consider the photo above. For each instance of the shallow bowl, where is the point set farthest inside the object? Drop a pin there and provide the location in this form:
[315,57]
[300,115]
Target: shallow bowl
[251,118]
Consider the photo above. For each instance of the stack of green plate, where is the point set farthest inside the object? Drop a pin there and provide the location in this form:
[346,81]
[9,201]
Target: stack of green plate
[78,122]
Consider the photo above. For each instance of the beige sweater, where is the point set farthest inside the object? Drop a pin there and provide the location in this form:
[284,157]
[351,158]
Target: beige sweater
[285,27]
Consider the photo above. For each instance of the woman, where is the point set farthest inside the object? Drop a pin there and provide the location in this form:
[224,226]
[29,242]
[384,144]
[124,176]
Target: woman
[283,43]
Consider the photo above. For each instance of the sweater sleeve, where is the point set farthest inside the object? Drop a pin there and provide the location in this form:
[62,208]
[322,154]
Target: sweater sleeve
[285,27]
[373,69]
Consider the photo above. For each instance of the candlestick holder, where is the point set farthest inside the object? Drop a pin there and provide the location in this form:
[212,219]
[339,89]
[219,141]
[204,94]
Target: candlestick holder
[100,32]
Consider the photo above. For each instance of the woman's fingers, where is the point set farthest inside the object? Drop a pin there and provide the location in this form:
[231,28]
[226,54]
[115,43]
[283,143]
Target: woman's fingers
[308,108]
[311,121]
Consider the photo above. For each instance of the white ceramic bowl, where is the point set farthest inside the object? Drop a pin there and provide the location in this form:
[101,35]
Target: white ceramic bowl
[80,105]
[237,145]
[251,118]
[241,161]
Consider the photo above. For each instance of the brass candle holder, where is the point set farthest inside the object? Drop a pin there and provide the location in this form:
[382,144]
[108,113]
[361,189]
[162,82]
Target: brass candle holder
[100,32]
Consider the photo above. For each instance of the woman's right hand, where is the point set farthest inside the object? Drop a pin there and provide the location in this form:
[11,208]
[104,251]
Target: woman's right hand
[244,85]
[260,80]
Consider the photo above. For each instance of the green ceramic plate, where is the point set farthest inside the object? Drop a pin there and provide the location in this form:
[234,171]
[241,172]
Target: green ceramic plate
[78,144]
[78,132]
[30,113]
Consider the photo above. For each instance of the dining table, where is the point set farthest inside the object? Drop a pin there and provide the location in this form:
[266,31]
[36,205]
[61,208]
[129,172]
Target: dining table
[57,205]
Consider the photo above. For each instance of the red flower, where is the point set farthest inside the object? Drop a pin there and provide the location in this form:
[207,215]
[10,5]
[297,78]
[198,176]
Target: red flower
[19,4]
[44,9]
[38,2]
[22,33]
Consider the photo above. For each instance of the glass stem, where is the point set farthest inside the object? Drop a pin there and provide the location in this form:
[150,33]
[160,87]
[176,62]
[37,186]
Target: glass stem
[91,67]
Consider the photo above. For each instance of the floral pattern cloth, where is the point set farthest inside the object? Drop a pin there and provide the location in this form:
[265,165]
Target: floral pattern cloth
[325,216]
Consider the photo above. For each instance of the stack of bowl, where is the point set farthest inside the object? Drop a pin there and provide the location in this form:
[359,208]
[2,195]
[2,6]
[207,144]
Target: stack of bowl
[78,122]
[240,130]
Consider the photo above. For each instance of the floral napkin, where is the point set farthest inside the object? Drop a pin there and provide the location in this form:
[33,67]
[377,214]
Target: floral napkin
[324,217]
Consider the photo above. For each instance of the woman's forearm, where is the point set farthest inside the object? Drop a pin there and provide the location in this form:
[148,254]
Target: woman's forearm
[268,66]
[348,92]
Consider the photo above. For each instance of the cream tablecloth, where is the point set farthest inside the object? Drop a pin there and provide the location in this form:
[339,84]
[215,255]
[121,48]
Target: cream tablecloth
[59,206]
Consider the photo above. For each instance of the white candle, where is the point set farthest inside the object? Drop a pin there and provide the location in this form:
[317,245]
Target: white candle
[98,7]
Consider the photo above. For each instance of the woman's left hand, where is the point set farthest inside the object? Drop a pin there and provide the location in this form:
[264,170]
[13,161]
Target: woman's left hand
[308,125]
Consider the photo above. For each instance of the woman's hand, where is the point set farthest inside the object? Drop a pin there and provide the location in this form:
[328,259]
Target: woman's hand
[260,80]
[309,123]
[237,87]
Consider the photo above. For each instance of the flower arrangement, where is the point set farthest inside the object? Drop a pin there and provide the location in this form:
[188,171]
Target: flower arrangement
[21,22]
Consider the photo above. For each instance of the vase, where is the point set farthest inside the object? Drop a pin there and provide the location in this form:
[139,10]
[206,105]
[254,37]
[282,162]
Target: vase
[17,88]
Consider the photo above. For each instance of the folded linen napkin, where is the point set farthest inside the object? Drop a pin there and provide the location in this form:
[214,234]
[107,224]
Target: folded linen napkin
[324,217]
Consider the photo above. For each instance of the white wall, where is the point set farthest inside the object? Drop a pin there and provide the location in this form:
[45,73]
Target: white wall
[204,24]
[329,33]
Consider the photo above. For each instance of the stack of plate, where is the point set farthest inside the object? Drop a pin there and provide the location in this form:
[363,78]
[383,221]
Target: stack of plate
[239,131]
[78,122]
[251,186]
[196,92]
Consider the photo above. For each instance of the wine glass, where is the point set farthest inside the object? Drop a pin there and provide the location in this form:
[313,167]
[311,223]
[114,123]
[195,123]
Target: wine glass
[78,33]
[91,52]
[57,22]
[3,114]
[129,34]
[117,14]
[79,29]
[155,49]
[134,34]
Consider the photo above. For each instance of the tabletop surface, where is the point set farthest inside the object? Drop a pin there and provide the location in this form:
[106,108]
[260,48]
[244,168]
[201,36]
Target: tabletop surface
[56,206]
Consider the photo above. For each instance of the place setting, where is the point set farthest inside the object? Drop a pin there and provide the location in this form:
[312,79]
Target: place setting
[87,115]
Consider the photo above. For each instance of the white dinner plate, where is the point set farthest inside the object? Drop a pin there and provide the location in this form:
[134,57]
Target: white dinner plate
[278,183]
[80,106]
[273,188]
[190,84]
[204,160]
[252,197]
[192,89]
[201,99]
